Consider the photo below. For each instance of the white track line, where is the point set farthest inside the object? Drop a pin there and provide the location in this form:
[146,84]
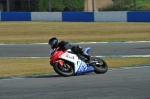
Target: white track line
[87,42]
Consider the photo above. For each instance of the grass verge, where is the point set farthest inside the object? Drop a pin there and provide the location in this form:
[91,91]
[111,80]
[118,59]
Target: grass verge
[10,67]
[40,32]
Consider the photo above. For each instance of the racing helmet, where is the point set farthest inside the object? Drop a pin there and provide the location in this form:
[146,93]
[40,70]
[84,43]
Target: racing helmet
[53,42]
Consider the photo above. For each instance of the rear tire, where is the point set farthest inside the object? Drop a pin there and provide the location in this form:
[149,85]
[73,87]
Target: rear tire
[66,70]
[100,68]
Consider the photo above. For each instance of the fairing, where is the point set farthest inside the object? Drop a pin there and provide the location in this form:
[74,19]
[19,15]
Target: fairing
[79,65]
[56,55]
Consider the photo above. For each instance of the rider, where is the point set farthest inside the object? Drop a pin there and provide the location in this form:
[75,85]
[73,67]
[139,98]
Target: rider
[54,43]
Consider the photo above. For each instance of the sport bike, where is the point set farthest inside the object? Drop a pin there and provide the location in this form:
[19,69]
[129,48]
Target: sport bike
[66,63]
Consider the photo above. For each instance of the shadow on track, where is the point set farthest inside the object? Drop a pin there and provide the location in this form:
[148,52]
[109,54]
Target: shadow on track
[34,76]
[42,76]
[54,75]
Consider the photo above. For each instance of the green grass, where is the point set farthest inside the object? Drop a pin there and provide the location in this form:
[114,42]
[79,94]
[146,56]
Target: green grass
[10,67]
[40,32]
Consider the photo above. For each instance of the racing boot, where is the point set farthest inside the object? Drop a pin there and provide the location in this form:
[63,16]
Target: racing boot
[86,54]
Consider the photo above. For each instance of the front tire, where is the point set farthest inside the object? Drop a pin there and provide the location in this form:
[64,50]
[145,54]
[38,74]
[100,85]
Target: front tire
[66,70]
[100,67]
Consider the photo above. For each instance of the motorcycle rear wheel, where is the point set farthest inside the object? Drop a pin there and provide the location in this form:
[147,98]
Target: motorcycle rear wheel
[101,67]
[66,70]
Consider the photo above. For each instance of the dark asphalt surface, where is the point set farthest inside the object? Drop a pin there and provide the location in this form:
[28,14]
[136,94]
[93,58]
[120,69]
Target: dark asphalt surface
[131,83]
[115,84]
[42,50]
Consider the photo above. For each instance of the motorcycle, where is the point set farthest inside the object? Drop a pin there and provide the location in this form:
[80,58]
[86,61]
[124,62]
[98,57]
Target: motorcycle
[66,63]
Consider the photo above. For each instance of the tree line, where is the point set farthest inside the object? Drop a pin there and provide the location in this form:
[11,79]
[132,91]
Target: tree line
[52,5]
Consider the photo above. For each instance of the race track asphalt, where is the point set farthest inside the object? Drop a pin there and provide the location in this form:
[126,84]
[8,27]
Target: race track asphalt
[123,83]
[97,49]
[115,84]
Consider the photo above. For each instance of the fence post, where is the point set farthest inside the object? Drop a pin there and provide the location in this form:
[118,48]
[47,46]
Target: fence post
[50,5]
[93,5]
[29,5]
[8,5]
[134,5]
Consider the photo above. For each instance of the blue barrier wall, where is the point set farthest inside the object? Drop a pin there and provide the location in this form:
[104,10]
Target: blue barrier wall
[141,16]
[118,16]
[16,16]
[78,16]
[0,16]
[46,16]
[110,16]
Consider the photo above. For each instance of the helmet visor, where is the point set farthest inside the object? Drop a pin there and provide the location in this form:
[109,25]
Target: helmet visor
[53,43]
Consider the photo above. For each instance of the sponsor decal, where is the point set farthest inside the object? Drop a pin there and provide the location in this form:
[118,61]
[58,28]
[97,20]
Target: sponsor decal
[82,67]
[71,57]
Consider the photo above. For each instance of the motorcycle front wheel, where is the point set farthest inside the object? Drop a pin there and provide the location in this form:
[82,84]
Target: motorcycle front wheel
[66,70]
[100,66]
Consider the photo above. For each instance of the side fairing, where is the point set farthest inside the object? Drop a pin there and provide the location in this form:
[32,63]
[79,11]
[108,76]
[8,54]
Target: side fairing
[71,58]
[55,56]
[79,65]
[82,66]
